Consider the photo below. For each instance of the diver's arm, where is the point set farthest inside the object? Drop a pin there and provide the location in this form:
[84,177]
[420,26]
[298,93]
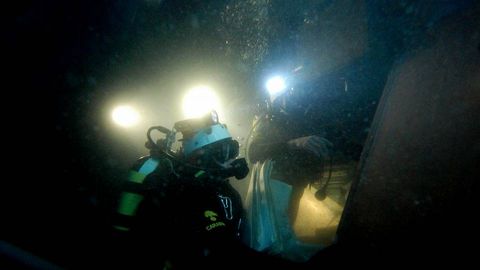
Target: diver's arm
[261,150]
[313,144]
[266,143]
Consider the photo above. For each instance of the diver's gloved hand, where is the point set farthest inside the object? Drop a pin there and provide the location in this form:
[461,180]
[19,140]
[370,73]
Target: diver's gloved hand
[316,145]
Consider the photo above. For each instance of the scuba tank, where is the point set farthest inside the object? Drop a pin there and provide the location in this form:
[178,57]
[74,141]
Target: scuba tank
[133,190]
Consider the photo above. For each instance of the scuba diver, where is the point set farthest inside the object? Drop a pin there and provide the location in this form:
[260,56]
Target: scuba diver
[178,207]
[287,154]
[284,134]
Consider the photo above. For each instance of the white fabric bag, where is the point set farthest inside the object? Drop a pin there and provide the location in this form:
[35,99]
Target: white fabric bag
[269,229]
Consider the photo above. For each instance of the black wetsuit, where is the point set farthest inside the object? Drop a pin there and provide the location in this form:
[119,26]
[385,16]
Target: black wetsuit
[187,216]
[269,141]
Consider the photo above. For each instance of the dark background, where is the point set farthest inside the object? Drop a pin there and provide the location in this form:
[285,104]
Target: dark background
[67,59]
